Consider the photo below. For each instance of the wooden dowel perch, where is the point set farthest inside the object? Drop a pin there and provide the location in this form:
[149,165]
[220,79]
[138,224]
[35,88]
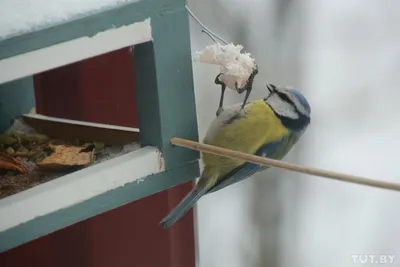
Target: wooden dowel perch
[283,165]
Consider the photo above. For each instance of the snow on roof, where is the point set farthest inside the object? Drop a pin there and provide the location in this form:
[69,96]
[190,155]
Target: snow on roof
[22,16]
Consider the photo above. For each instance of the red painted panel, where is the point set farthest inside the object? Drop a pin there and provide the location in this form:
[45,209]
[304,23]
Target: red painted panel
[128,236]
[100,89]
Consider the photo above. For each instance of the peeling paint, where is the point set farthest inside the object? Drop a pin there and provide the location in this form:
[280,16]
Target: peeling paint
[161,161]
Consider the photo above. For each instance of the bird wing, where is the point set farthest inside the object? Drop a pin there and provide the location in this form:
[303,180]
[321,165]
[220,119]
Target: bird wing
[190,200]
[186,204]
[276,150]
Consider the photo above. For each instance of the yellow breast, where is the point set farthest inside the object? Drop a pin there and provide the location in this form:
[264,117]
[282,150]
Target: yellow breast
[248,134]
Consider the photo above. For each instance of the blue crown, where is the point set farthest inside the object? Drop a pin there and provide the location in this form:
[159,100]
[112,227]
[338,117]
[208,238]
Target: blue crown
[302,99]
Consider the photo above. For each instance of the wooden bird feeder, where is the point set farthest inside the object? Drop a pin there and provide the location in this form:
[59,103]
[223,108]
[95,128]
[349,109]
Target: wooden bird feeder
[120,75]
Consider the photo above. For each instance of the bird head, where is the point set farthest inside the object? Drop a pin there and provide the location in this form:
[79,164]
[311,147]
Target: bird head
[290,106]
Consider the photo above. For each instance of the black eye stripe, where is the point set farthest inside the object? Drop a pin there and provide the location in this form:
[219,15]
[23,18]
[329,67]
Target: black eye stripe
[285,98]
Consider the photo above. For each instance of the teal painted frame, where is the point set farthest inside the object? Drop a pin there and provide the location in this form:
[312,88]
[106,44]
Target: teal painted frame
[166,102]
[16,98]
[164,87]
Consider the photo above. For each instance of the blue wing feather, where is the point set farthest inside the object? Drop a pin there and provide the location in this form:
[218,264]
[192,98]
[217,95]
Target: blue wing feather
[275,150]
[186,204]
[247,169]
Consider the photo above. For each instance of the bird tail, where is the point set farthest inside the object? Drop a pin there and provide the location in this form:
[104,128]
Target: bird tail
[186,204]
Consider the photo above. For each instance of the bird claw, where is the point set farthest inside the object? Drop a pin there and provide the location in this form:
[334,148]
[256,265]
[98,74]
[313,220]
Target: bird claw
[249,83]
[218,81]
[241,89]
[220,109]
[247,87]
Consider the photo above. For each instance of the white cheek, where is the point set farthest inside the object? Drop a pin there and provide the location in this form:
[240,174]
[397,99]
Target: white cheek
[284,108]
[289,112]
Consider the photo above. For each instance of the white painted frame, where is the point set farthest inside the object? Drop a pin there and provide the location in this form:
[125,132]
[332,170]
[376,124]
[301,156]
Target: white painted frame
[65,53]
[83,123]
[79,186]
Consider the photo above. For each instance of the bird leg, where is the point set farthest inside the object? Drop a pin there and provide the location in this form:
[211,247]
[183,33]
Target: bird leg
[248,87]
[221,100]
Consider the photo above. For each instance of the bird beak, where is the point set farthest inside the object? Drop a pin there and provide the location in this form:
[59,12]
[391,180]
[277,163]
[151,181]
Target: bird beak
[271,88]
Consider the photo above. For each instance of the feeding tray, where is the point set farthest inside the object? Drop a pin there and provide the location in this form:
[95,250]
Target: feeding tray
[38,149]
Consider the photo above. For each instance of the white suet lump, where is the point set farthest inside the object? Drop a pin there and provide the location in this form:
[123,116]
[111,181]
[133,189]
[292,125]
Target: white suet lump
[235,66]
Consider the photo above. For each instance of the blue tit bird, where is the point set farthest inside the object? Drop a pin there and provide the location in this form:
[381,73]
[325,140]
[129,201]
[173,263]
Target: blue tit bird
[267,127]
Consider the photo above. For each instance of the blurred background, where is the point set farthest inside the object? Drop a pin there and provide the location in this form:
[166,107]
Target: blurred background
[345,57]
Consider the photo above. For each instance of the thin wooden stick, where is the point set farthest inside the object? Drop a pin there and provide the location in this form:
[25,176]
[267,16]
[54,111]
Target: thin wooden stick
[282,165]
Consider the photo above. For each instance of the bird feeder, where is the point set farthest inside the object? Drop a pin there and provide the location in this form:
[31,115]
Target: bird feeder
[119,72]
